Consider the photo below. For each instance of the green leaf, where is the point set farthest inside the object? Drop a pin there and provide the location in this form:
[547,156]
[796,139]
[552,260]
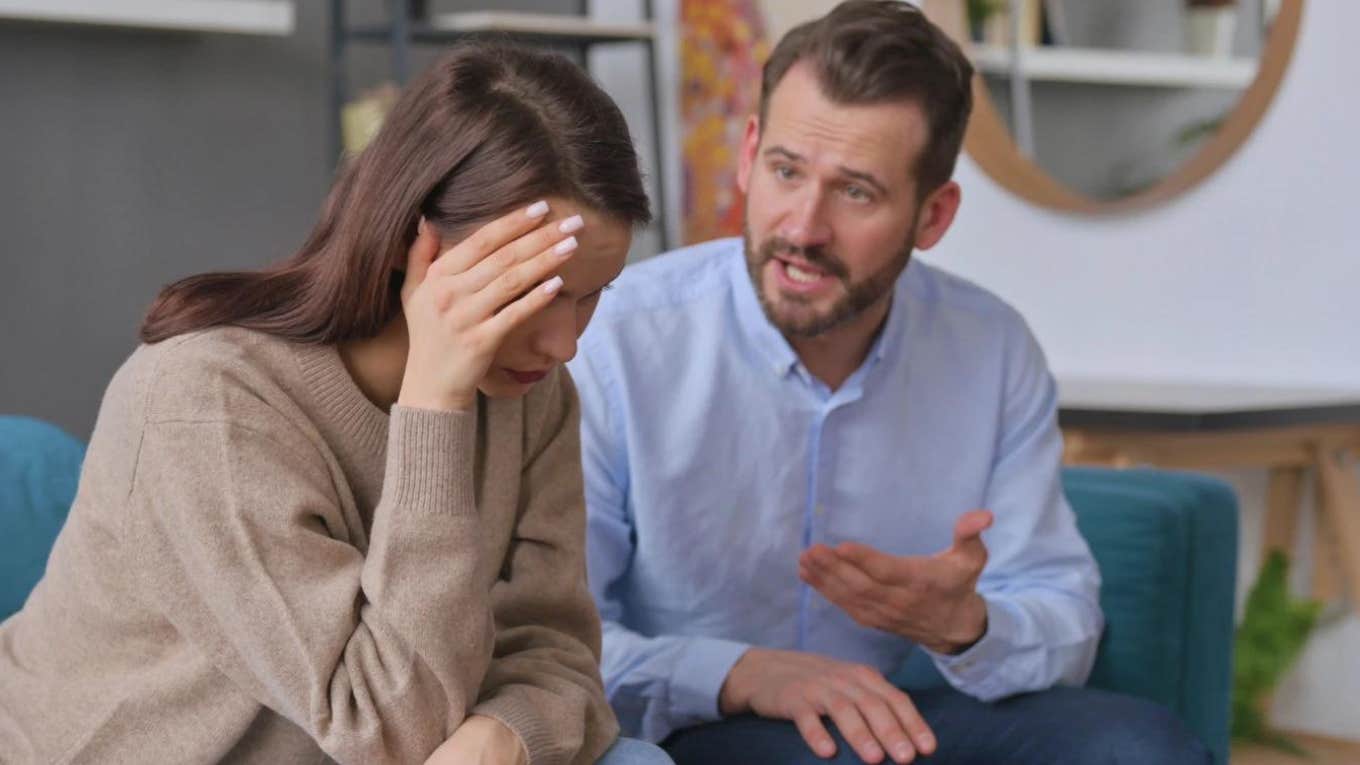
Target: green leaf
[1275,627]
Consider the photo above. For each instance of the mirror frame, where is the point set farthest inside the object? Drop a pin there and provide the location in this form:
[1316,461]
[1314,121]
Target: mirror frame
[989,142]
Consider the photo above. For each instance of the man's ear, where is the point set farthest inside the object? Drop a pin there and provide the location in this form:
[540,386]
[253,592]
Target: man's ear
[937,214]
[750,144]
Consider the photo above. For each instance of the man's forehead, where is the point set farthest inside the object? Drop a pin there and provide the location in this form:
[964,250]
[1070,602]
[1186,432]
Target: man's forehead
[802,119]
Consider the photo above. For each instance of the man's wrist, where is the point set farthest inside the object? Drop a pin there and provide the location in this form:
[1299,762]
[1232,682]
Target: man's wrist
[970,626]
[732,697]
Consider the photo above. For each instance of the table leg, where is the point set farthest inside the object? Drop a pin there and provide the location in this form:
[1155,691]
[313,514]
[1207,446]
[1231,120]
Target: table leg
[1339,504]
[1326,557]
[1283,499]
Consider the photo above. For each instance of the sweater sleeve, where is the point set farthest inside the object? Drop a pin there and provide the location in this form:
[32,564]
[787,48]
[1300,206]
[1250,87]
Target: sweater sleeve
[377,656]
[544,682]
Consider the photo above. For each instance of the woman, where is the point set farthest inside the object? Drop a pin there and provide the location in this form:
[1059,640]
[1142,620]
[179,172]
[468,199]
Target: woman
[333,509]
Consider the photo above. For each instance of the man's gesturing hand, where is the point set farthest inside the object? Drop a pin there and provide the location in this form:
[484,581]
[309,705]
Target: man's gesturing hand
[931,600]
[870,713]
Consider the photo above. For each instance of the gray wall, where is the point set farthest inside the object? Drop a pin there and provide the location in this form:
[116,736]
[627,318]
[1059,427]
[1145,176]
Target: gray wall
[129,159]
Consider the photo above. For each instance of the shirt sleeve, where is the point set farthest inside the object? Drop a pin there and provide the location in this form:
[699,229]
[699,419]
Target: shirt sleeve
[376,654]
[655,683]
[1041,584]
[544,682]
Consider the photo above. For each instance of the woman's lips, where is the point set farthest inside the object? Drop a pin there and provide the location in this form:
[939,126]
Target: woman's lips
[525,378]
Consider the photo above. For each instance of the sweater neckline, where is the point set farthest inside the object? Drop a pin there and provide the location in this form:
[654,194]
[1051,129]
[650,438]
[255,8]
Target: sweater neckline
[339,399]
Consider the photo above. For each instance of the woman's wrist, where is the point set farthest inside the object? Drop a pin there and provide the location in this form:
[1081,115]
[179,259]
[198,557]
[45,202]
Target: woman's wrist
[413,397]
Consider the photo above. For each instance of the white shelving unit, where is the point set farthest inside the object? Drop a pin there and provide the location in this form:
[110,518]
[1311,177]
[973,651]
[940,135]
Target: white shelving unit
[1117,67]
[251,17]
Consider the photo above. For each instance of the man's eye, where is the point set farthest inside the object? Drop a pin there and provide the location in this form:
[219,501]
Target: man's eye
[857,193]
[784,172]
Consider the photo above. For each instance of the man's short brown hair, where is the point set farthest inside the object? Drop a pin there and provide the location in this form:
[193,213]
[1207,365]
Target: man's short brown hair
[882,51]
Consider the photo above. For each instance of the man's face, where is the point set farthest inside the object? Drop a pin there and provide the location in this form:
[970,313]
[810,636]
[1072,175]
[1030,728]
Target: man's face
[831,203]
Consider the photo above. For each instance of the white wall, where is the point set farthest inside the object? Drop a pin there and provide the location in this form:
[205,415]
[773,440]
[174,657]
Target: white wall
[1251,277]
[1254,277]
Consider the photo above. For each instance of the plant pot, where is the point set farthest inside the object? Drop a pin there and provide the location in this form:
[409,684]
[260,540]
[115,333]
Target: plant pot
[1210,31]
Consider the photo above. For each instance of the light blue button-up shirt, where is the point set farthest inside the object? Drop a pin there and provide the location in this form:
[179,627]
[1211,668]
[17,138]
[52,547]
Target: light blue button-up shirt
[713,459]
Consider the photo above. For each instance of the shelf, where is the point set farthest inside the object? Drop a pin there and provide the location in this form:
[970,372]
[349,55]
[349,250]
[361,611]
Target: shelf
[256,17]
[535,27]
[1115,67]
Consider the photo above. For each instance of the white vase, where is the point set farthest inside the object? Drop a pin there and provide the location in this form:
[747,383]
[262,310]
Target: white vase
[1210,31]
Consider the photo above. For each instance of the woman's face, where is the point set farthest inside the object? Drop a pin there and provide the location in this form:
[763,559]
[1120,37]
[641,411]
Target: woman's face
[548,338]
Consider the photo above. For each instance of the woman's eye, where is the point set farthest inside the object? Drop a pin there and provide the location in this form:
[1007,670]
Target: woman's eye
[592,297]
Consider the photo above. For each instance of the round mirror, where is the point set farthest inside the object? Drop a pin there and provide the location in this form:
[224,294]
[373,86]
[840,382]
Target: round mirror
[1113,105]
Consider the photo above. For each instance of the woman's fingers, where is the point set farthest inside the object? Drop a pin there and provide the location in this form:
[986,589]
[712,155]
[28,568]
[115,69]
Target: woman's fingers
[490,238]
[519,279]
[531,303]
[487,270]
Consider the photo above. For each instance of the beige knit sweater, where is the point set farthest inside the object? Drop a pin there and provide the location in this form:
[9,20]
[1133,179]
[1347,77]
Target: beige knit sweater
[262,566]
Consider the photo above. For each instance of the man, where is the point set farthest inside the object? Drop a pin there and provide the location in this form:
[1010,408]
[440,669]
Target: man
[808,463]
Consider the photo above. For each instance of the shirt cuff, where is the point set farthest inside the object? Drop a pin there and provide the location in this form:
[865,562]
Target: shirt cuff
[699,675]
[976,670]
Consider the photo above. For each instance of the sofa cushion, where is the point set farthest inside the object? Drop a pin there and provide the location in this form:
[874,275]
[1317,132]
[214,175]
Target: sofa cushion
[39,470]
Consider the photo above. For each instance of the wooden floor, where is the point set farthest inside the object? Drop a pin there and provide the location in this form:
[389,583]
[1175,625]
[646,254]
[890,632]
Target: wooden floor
[1325,752]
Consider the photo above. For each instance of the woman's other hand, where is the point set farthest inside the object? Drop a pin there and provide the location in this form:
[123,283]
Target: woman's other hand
[480,741]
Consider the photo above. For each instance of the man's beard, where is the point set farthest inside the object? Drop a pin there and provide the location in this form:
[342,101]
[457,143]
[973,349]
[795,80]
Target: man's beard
[858,297]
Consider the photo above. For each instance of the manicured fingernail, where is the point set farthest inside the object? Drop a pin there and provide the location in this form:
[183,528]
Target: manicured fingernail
[927,742]
[552,285]
[574,223]
[537,209]
[903,751]
[826,748]
[873,751]
[565,246]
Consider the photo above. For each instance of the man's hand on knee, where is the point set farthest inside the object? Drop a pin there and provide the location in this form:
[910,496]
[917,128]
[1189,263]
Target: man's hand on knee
[871,714]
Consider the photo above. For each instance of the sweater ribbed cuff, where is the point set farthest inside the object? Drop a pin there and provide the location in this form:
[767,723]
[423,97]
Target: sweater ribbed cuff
[430,457]
[521,718]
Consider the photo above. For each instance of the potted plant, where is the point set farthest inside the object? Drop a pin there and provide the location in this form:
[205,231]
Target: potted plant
[989,22]
[1210,26]
[979,12]
[1274,629]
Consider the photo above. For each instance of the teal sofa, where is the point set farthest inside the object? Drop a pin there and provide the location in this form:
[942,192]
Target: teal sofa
[1166,544]
[39,469]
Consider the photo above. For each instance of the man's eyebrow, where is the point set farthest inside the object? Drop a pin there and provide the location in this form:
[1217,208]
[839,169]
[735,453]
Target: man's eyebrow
[858,175]
[780,150]
[863,177]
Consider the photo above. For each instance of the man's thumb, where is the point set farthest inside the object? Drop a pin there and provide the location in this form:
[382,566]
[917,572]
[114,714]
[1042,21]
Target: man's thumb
[970,525]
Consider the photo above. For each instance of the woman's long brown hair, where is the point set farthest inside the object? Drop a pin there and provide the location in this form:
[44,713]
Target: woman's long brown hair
[485,129]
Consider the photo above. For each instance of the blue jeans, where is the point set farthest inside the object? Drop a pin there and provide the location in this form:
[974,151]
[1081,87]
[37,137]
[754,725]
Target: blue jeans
[1067,726]
[630,751]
